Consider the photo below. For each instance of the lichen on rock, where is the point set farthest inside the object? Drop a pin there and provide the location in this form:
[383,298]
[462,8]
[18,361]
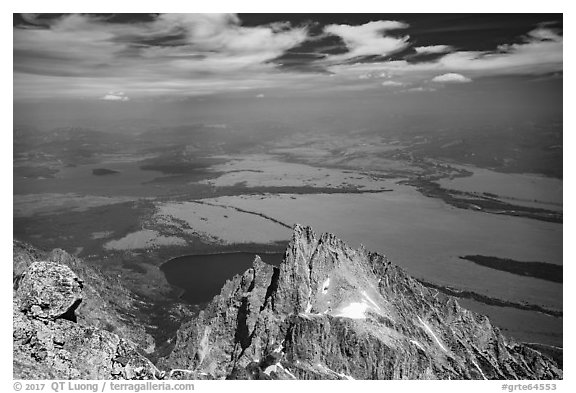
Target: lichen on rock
[49,291]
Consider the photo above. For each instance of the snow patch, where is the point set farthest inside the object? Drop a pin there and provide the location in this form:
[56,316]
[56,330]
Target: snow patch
[280,347]
[417,344]
[345,376]
[179,370]
[326,369]
[270,369]
[309,315]
[286,370]
[432,333]
[370,300]
[354,311]
[478,368]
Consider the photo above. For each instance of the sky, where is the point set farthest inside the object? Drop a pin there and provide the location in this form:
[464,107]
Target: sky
[127,58]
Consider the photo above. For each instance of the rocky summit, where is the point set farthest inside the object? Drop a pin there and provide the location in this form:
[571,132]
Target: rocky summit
[332,312]
[327,312]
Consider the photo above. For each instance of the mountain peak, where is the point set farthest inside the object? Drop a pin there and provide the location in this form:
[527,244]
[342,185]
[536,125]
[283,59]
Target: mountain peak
[329,311]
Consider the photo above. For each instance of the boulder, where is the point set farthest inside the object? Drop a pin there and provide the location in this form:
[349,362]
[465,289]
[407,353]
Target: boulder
[49,344]
[49,291]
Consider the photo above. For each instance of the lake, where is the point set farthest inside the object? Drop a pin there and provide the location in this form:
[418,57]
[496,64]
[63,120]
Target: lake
[130,180]
[201,277]
[516,188]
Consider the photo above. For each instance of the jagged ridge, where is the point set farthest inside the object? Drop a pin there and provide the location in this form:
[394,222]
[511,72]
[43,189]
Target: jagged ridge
[327,312]
[331,312]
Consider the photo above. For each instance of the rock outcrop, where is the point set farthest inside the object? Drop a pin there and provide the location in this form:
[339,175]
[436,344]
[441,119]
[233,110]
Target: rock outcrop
[106,303]
[49,291]
[49,342]
[331,312]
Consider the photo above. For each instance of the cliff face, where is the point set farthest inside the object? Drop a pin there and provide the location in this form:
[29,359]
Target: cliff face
[331,312]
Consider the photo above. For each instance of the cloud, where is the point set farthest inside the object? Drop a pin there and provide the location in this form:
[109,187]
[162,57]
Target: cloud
[539,53]
[115,96]
[390,83]
[182,55]
[451,77]
[373,75]
[368,39]
[432,49]
[223,34]
[260,95]
[543,33]
[419,89]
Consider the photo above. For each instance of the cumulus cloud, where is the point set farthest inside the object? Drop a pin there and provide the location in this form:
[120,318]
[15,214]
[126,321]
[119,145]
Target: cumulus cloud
[368,39]
[432,49]
[451,77]
[115,96]
[261,95]
[543,33]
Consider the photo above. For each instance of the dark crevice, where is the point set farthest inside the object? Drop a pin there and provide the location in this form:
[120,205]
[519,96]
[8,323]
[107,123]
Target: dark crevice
[70,315]
[242,335]
[16,281]
[310,268]
[271,289]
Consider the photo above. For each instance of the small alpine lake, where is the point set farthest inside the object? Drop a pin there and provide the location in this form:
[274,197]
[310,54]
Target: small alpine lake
[201,277]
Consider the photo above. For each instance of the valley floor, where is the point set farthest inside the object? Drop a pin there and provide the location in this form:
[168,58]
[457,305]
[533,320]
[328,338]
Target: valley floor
[250,203]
